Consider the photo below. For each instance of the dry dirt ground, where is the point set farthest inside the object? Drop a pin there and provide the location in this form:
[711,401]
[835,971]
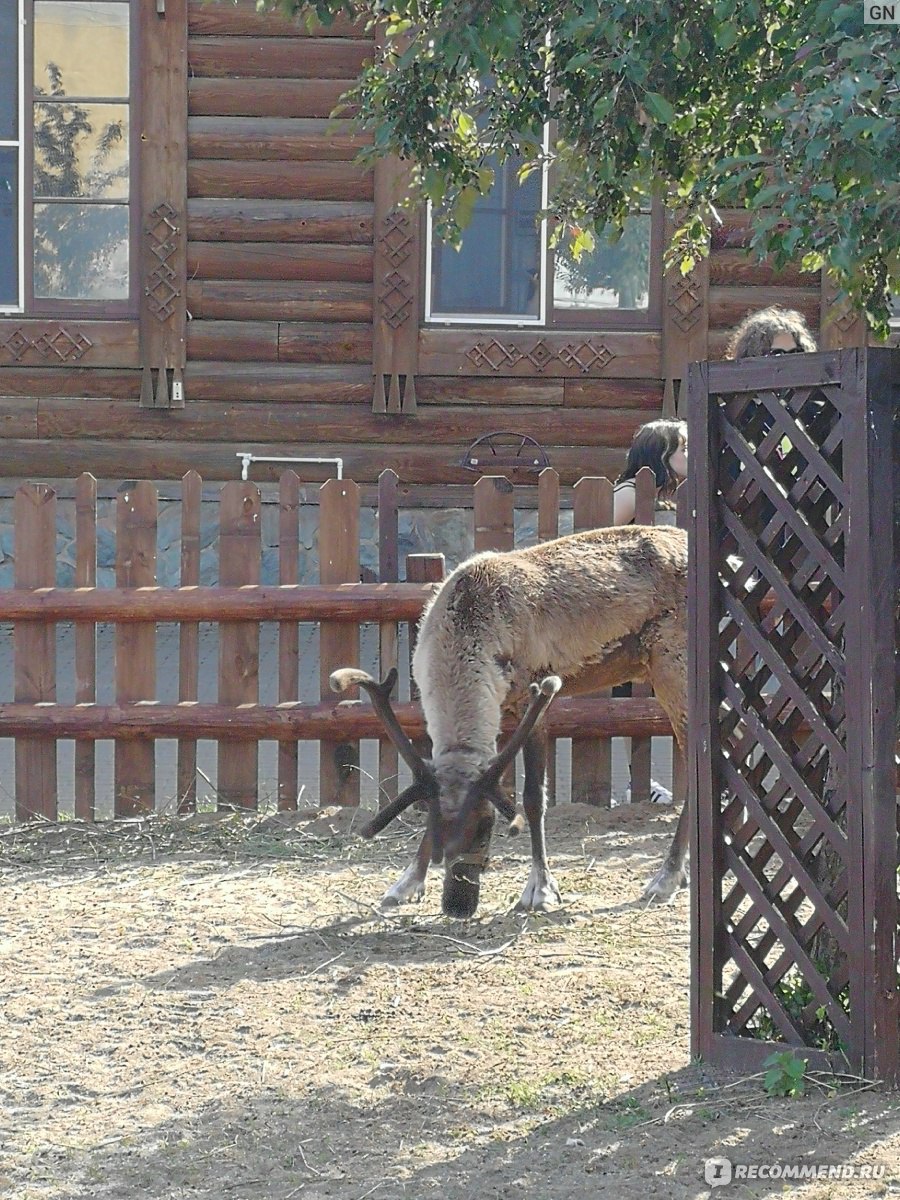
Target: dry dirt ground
[217,1008]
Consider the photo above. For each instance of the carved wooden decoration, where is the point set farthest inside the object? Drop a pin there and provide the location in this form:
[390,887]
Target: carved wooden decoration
[55,343]
[396,318]
[685,324]
[586,356]
[164,204]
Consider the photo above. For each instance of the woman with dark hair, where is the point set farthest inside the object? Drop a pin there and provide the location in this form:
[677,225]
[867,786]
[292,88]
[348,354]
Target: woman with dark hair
[661,446]
[773,330]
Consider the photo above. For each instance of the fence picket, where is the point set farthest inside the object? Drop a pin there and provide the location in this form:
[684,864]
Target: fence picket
[189,636]
[338,644]
[592,757]
[34,649]
[239,563]
[288,632]
[135,759]
[85,642]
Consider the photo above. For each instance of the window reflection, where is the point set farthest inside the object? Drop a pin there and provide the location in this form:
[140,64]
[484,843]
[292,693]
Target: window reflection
[497,270]
[9,71]
[613,275]
[9,226]
[85,43]
[81,150]
[81,251]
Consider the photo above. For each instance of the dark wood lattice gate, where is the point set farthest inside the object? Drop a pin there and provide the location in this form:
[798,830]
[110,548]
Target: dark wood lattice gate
[795,555]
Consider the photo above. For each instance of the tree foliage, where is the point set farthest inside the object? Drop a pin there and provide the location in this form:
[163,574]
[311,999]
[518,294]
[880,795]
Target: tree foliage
[788,107]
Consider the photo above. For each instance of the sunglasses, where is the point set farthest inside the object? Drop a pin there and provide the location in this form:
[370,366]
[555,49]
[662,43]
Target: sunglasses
[778,350]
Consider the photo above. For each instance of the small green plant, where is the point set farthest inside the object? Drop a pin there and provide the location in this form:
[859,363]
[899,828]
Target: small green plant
[786,1074]
[797,998]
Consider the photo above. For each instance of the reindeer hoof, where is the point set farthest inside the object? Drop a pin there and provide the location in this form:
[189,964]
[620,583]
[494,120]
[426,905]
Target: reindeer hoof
[541,892]
[664,884]
[403,893]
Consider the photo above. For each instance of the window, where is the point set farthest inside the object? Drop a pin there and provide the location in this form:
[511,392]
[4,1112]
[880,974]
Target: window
[66,176]
[504,272]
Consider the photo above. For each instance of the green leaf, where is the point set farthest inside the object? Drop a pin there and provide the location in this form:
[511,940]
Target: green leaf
[659,108]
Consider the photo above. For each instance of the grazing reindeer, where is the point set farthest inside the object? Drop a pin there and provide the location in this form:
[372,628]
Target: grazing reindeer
[583,612]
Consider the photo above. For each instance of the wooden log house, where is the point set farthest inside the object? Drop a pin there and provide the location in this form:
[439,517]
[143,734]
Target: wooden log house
[212,272]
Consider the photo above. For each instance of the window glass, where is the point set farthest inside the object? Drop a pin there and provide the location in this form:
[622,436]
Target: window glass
[81,150]
[9,70]
[612,275]
[80,48]
[9,226]
[497,271]
[81,251]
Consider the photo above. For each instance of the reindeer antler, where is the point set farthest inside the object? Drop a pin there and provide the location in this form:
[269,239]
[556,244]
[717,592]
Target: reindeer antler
[349,677]
[541,695]
[416,791]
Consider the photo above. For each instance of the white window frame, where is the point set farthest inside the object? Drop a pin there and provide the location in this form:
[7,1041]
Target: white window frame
[19,306]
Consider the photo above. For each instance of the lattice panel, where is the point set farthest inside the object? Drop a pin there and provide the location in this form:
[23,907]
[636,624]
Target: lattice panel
[785,780]
[781,583]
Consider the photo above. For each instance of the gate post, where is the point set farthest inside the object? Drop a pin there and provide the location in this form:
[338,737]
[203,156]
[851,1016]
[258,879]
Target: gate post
[794,564]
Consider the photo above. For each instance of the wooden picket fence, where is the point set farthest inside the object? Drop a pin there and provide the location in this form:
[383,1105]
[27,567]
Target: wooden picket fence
[339,606]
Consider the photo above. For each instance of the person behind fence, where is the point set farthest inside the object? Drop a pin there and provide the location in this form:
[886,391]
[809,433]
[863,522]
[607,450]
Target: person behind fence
[661,446]
[774,330]
[770,332]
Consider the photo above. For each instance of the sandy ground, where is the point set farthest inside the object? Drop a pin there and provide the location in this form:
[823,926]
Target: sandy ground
[217,1008]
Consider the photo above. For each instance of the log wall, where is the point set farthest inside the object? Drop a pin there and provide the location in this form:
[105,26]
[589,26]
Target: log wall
[288,269]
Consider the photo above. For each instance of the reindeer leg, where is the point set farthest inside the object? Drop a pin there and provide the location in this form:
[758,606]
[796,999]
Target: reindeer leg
[541,889]
[668,674]
[672,875]
[411,884]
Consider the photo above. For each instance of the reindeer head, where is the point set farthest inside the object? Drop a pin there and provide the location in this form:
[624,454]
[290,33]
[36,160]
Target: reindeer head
[461,794]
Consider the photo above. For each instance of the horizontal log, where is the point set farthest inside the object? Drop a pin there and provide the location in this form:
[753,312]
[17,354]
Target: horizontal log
[254,416]
[19,419]
[347,602]
[347,343]
[738,268]
[232,341]
[729,305]
[347,720]
[273,341]
[491,352]
[280,139]
[244,18]
[279,301]
[268,98]
[279,181]
[435,390]
[322,388]
[279,58]
[273,260]
[280,221]
[56,381]
[67,343]
[418,462]
[643,395]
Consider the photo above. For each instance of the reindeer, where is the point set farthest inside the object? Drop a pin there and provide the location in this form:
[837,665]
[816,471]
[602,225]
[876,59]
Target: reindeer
[508,631]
